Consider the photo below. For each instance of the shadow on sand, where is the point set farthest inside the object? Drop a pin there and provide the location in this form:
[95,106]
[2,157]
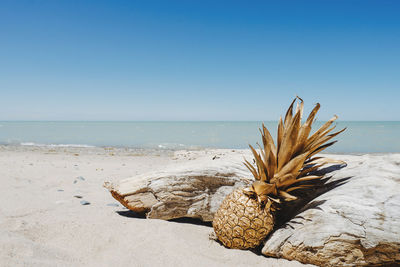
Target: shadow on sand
[131,214]
[194,221]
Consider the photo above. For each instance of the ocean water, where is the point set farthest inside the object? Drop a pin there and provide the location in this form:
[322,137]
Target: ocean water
[360,136]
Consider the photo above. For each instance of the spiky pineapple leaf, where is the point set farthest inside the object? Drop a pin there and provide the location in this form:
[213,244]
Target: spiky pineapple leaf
[251,169]
[292,160]
[299,187]
[321,130]
[289,114]
[280,135]
[287,196]
[260,165]
[305,130]
[288,142]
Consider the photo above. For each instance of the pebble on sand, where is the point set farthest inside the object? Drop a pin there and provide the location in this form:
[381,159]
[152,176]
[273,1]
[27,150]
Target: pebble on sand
[79,178]
[84,202]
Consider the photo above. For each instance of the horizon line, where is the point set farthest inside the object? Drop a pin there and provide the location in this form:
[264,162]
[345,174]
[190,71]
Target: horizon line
[185,120]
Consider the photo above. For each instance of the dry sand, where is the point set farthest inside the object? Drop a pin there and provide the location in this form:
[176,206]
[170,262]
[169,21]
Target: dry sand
[43,221]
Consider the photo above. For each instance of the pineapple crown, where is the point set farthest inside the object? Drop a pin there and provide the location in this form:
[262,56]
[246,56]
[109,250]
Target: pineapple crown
[279,169]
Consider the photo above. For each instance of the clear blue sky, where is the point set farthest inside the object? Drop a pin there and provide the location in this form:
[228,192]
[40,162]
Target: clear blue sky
[198,60]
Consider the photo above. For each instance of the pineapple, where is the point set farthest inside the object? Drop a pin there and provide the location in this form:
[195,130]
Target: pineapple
[246,216]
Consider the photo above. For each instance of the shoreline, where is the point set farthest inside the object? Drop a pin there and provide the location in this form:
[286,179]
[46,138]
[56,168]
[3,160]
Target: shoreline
[136,151]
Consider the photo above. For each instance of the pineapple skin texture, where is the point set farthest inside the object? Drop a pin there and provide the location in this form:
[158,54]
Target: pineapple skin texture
[240,222]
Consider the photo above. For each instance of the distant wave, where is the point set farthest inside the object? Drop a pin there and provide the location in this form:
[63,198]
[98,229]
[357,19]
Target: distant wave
[53,145]
[160,146]
[170,146]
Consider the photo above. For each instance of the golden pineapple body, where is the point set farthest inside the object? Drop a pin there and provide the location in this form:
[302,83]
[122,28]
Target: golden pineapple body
[241,222]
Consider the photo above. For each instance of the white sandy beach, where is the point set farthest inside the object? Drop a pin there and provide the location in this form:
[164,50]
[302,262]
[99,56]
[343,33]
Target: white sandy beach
[43,222]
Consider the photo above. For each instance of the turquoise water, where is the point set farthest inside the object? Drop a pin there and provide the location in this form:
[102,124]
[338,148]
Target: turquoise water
[360,137]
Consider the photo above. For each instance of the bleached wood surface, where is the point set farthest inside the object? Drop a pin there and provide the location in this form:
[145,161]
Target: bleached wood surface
[194,188]
[354,224]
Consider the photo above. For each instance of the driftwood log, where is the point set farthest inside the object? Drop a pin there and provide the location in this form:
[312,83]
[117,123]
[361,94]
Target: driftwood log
[353,221]
[354,224]
[192,189]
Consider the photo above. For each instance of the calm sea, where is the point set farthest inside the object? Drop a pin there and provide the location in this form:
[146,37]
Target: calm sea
[360,137]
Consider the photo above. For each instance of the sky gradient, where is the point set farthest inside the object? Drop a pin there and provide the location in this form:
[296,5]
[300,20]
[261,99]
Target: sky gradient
[198,60]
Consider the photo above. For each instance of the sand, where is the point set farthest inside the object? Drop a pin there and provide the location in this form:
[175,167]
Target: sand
[43,221]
